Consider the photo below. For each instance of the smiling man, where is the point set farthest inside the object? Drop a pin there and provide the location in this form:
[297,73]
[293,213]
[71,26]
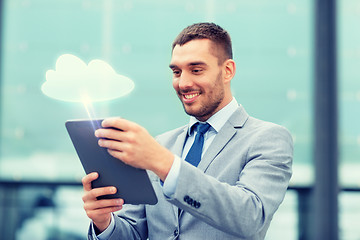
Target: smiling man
[222,176]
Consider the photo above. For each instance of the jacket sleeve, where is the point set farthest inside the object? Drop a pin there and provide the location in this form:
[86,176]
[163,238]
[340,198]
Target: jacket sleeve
[130,223]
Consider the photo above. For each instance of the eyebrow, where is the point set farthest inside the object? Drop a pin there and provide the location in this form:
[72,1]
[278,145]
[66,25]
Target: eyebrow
[190,64]
[196,63]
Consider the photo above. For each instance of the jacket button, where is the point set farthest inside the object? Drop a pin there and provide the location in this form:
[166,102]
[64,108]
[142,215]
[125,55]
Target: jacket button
[176,232]
[186,198]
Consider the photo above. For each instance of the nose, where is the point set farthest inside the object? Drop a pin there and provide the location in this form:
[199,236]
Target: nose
[185,81]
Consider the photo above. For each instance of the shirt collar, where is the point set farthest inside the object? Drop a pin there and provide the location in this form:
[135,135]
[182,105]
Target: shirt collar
[217,120]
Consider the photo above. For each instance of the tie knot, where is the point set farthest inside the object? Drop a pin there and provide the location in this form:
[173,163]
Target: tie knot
[202,128]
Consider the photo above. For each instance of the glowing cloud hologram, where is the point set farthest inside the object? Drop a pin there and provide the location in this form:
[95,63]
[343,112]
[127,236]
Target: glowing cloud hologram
[74,81]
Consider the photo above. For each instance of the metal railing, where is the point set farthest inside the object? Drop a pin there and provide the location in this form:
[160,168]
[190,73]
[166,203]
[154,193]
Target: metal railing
[10,200]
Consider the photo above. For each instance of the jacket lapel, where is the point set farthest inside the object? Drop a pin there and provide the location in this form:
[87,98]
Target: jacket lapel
[179,143]
[237,120]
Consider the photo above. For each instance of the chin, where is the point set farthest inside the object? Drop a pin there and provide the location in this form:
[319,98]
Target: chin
[194,114]
[190,112]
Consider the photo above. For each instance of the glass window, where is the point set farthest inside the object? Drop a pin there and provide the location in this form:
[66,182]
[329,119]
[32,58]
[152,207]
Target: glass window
[272,46]
[349,91]
[349,113]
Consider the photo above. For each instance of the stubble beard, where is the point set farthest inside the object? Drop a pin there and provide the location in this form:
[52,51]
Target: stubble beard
[205,111]
[209,106]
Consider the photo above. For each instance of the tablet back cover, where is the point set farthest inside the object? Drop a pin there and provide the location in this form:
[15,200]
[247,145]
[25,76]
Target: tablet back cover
[133,184]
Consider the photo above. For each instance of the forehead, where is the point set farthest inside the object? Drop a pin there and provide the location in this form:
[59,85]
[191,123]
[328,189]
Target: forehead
[199,50]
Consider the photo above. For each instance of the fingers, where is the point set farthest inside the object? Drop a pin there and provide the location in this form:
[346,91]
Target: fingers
[112,144]
[106,204]
[93,193]
[86,181]
[117,122]
[109,133]
[97,192]
[99,210]
[119,155]
[114,139]
[124,130]
[98,215]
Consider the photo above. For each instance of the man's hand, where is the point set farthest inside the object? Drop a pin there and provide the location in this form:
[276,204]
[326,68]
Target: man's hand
[99,210]
[133,145]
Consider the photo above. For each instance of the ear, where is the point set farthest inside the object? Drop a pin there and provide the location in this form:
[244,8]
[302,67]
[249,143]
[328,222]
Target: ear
[229,70]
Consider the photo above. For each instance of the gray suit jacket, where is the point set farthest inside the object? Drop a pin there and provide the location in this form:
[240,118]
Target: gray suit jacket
[232,194]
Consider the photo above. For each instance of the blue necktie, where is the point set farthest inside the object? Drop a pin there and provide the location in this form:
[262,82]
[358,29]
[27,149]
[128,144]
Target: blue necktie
[194,154]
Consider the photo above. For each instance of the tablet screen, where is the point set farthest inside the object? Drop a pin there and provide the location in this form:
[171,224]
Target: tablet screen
[133,184]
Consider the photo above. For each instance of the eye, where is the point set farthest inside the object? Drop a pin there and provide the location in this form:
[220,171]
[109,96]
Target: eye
[176,72]
[197,71]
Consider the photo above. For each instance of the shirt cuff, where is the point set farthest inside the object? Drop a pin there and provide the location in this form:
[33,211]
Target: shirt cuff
[106,233]
[170,183]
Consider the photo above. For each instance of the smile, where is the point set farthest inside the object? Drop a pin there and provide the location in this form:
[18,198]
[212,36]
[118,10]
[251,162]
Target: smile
[190,96]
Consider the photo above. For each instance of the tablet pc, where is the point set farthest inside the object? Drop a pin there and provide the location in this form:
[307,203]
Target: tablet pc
[133,184]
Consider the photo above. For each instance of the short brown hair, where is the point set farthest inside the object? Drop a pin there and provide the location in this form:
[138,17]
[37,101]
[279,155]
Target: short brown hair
[211,31]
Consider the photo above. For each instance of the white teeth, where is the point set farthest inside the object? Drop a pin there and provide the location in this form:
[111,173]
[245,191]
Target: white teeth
[189,96]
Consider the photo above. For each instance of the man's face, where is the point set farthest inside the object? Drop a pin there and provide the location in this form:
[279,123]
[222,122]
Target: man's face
[198,78]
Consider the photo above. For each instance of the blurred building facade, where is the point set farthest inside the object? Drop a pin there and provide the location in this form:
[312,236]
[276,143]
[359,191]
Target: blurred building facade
[275,49]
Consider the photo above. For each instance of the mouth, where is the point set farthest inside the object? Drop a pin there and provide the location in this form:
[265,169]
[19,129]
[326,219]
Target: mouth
[189,97]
